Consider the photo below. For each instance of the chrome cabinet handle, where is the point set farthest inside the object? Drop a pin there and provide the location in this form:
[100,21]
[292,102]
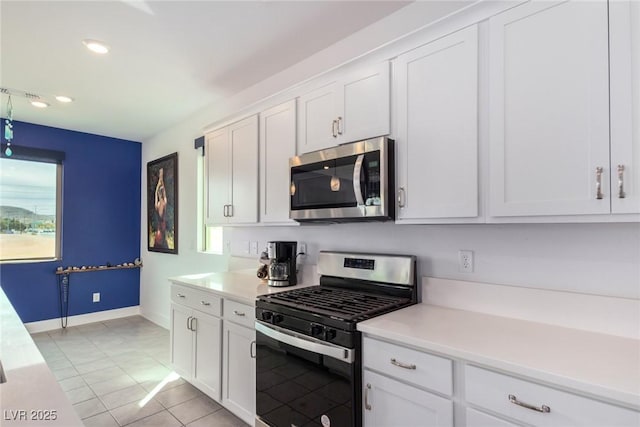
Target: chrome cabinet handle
[621,193]
[180,295]
[230,211]
[401,197]
[333,129]
[238,313]
[339,121]
[515,401]
[224,211]
[252,351]
[189,322]
[205,303]
[366,397]
[194,326]
[402,365]
[599,182]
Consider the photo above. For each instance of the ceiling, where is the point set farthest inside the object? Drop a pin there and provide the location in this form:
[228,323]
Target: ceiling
[168,59]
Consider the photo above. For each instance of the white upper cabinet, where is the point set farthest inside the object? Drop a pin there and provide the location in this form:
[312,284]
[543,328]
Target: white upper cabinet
[217,175]
[232,173]
[436,88]
[624,31]
[277,145]
[549,110]
[352,108]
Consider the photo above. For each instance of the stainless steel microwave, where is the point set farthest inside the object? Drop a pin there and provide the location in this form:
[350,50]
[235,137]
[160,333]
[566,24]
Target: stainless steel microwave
[350,182]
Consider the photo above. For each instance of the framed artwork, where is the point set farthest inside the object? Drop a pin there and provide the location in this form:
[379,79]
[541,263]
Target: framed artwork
[162,204]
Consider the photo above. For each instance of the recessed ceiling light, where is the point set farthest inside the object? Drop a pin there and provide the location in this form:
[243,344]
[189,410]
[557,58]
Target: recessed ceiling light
[64,99]
[96,46]
[39,104]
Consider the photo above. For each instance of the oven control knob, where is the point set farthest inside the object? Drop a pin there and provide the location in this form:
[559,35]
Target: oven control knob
[277,318]
[317,330]
[329,334]
[267,315]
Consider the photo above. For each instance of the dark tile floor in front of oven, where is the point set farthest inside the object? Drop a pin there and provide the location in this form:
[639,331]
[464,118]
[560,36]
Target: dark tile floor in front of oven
[109,371]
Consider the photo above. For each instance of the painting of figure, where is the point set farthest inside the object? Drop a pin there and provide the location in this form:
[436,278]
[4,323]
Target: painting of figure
[162,204]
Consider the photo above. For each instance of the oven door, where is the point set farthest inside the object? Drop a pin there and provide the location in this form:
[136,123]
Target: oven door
[347,182]
[304,382]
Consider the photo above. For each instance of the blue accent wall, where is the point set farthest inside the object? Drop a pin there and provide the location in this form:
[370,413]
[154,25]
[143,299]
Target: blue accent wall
[100,224]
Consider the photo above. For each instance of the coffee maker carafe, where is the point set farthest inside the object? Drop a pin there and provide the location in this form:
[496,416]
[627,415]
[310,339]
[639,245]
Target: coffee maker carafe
[282,265]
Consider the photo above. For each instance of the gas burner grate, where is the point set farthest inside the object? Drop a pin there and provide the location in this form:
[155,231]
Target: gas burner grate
[337,303]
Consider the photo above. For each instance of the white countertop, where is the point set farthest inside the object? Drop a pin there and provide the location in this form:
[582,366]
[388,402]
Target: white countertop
[31,390]
[602,365]
[242,286]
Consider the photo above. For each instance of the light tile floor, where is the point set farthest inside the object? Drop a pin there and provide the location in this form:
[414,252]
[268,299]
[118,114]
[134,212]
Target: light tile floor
[117,373]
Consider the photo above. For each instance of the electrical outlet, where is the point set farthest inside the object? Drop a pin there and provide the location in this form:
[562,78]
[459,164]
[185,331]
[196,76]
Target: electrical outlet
[96,297]
[465,261]
[254,248]
[302,248]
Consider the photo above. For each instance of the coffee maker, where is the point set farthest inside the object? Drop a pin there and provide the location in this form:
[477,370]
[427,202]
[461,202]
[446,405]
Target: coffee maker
[282,263]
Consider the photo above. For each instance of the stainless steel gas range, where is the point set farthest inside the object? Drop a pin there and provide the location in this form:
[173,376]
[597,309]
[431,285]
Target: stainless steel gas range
[308,353]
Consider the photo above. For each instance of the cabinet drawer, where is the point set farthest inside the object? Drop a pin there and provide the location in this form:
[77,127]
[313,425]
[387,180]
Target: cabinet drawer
[408,365]
[200,300]
[239,313]
[492,391]
[480,419]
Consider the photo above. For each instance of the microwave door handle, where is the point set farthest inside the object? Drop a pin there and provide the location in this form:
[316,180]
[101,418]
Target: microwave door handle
[357,189]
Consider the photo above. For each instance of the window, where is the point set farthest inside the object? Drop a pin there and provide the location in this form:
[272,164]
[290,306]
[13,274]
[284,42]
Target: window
[30,199]
[210,239]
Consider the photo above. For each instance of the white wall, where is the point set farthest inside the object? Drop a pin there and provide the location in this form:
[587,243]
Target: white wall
[592,258]
[602,259]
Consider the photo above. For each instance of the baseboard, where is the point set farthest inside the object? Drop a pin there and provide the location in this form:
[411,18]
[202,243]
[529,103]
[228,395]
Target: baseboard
[162,321]
[82,319]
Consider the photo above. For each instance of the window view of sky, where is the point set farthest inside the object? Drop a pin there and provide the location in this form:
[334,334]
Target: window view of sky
[28,185]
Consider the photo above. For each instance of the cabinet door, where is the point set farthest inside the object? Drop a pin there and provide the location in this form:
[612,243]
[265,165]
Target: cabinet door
[549,109]
[277,145]
[393,403]
[218,175]
[208,344]
[363,104]
[625,106]
[243,140]
[181,341]
[239,371]
[316,115]
[437,135]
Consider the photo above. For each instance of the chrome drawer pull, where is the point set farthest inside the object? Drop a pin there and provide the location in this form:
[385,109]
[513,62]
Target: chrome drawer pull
[366,397]
[238,313]
[402,365]
[205,303]
[180,295]
[515,401]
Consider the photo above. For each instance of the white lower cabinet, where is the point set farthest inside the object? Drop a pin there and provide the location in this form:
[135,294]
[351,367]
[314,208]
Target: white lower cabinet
[238,361]
[408,387]
[397,385]
[388,403]
[195,348]
[213,348]
[539,405]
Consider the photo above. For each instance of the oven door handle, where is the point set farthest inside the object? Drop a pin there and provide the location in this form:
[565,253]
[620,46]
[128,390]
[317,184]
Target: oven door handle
[305,343]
